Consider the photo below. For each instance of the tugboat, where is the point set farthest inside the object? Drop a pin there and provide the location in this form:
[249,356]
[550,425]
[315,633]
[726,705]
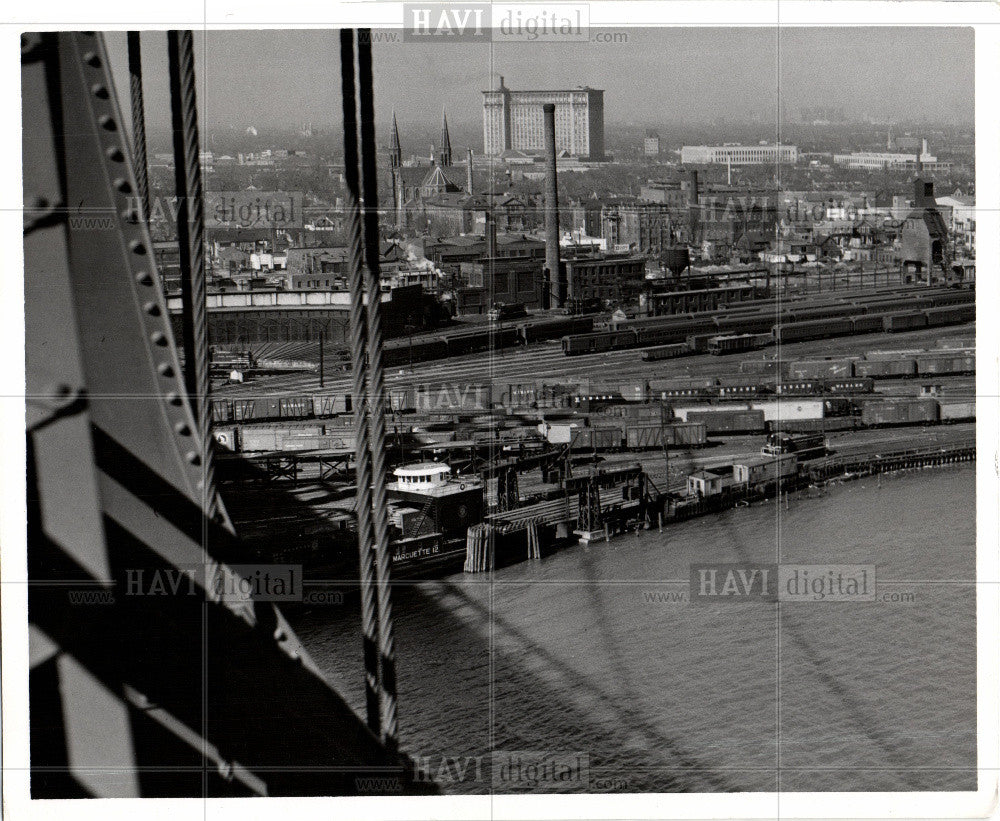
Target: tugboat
[432,510]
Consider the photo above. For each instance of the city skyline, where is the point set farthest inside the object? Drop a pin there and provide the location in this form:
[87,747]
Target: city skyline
[273,78]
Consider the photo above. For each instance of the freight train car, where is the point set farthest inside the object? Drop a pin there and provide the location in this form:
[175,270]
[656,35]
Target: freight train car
[661,389]
[221,410]
[899,412]
[677,434]
[737,387]
[939,364]
[950,315]
[799,387]
[729,421]
[813,329]
[956,410]
[835,423]
[904,321]
[719,345]
[599,342]
[665,352]
[764,366]
[959,342]
[850,386]
[481,340]
[886,368]
[400,353]
[821,369]
[555,328]
[604,437]
[867,323]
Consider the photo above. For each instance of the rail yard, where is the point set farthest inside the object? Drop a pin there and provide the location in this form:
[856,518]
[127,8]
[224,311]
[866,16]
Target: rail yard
[509,441]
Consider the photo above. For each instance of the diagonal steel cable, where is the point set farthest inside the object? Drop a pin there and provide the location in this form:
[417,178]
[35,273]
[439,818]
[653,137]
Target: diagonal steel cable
[358,325]
[191,241]
[376,393]
[140,161]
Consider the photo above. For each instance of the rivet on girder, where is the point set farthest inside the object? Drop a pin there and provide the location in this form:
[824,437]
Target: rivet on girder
[144,278]
[182,429]
[108,122]
[123,185]
[137,247]
[115,154]
[91,58]
[193,457]
[100,91]
[151,308]
[165,369]
[174,399]
[158,338]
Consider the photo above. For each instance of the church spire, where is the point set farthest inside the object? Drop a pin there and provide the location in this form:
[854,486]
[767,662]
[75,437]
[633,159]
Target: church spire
[444,157]
[395,151]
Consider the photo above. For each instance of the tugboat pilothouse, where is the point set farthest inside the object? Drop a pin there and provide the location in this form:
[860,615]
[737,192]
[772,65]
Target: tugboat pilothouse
[432,510]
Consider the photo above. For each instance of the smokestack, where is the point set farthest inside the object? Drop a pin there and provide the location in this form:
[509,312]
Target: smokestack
[693,213]
[491,235]
[468,175]
[552,207]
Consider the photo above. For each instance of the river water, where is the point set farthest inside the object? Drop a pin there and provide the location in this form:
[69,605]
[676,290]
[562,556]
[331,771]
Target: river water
[596,655]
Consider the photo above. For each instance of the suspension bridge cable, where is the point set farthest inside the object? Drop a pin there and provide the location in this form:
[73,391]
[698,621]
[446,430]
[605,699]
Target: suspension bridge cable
[138,123]
[191,241]
[376,392]
[358,330]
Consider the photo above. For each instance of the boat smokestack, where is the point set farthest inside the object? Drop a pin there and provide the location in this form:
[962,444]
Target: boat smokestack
[553,279]
[468,174]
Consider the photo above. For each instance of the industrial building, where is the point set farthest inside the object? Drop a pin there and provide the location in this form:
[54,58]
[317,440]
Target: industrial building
[513,121]
[739,154]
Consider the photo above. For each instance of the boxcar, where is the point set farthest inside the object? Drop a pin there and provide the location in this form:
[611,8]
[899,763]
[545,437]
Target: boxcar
[956,342]
[633,391]
[598,342]
[688,434]
[765,366]
[295,407]
[950,315]
[946,364]
[868,324]
[644,437]
[905,321]
[718,345]
[814,329]
[256,409]
[604,437]
[729,421]
[837,406]
[956,411]
[331,404]
[665,352]
[899,412]
[227,437]
[886,368]
[222,410]
[754,324]
[836,423]
[821,369]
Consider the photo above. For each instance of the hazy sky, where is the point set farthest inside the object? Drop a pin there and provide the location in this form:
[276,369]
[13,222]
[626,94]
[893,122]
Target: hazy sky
[660,75]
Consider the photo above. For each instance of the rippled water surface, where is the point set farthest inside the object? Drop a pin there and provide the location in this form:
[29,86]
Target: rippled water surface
[589,652]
